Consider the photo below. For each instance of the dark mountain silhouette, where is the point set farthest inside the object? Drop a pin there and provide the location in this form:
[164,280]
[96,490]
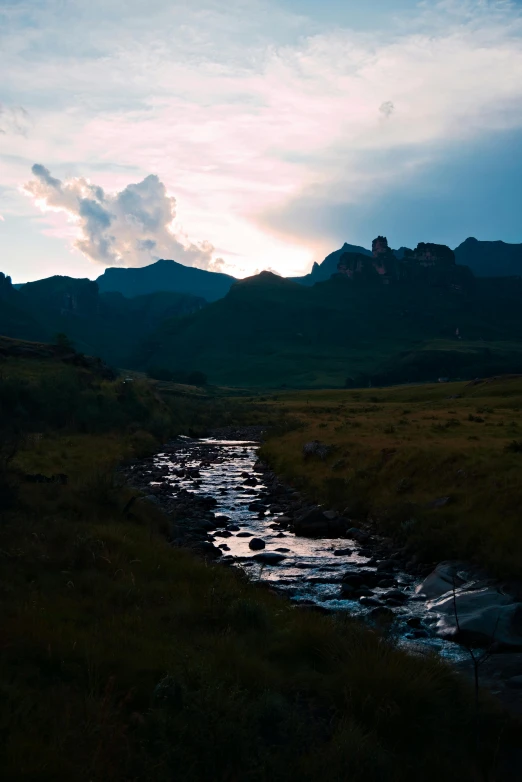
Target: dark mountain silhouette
[165,276]
[103,324]
[269,331]
[324,270]
[490,259]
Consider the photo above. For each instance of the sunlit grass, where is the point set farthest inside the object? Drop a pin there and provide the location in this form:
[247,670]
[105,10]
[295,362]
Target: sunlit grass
[398,450]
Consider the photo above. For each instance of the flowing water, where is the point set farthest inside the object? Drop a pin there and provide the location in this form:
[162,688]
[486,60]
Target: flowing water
[310,571]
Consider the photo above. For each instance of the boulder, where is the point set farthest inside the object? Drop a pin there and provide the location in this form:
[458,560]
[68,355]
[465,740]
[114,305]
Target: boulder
[312,524]
[342,552]
[485,617]
[357,534]
[256,544]
[269,558]
[440,581]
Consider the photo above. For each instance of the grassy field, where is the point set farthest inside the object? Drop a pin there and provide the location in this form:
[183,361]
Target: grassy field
[439,467]
[123,658]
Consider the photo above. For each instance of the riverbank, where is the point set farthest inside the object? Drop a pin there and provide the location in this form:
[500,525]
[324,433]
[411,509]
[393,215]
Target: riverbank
[435,467]
[230,507]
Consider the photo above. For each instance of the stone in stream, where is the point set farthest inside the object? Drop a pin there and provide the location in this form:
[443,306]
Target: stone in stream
[395,594]
[269,558]
[342,552]
[223,534]
[233,528]
[244,535]
[283,550]
[485,617]
[441,580]
[369,600]
[256,544]
[357,534]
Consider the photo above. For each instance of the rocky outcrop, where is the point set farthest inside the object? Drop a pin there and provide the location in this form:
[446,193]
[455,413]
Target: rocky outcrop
[432,264]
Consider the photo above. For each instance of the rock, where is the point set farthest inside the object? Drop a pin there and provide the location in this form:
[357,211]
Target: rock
[485,616]
[244,535]
[311,524]
[152,498]
[440,581]
[414,621]
[357,534]
[381,613]
[251,482]
[257,506]
[269,558]
[224,547]
[233,528]
[283,550]
[283,521]
[223,534]
[256,544]
[385,583]
[342,552]
[395,594]
[370,601]
[330,514]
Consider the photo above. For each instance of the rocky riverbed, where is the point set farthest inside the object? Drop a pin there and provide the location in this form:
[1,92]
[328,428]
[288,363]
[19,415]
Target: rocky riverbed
[228,506]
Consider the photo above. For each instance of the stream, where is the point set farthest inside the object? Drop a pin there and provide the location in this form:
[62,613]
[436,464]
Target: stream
[309,572]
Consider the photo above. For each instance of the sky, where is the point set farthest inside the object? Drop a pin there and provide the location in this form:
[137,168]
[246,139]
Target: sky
[253,134]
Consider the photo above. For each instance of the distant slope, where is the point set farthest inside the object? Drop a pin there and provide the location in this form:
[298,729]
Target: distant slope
[324,270]
[107,325]
[165,276]
[269,331]
[490,259]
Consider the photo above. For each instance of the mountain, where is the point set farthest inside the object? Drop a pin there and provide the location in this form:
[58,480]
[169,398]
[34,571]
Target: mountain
[490,259]
[271,332]
[165,276]
[324,270]
[107,325]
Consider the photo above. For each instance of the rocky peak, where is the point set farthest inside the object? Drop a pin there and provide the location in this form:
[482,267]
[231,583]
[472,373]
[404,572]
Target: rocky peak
[6,286]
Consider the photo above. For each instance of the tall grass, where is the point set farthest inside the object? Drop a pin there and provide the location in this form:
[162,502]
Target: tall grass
[391,463]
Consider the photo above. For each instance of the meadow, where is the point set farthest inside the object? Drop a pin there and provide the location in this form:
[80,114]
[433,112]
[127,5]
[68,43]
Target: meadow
[124,658]
[438,467]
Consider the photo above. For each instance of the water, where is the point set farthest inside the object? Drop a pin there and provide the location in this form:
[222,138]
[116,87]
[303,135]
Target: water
[310,571]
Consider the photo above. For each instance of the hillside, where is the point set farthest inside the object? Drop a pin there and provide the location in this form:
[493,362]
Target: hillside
[490,259]
[107,324]
[165,276]
[271,332]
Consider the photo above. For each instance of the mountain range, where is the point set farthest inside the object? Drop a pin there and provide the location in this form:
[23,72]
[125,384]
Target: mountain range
[360,317]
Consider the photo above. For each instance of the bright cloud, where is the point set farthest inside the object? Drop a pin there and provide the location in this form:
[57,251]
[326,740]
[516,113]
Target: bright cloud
[127,228]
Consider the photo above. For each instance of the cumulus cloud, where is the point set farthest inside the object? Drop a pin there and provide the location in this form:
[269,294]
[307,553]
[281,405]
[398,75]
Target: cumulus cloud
[131,227]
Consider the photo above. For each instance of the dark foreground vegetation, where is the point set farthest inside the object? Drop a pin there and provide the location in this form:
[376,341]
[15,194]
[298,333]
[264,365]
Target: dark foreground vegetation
[123,658]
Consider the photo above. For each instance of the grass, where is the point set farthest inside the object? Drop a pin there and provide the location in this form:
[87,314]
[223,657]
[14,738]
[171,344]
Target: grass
[123,658]
[398,450]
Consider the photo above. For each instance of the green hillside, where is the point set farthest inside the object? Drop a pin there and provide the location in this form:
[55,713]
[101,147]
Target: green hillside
[269,331]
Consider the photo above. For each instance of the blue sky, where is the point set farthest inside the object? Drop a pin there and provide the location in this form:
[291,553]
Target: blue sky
[253,134]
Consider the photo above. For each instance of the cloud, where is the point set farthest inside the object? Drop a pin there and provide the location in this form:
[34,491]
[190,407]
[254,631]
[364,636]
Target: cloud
[131,227]
[387,108]
[14,120]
